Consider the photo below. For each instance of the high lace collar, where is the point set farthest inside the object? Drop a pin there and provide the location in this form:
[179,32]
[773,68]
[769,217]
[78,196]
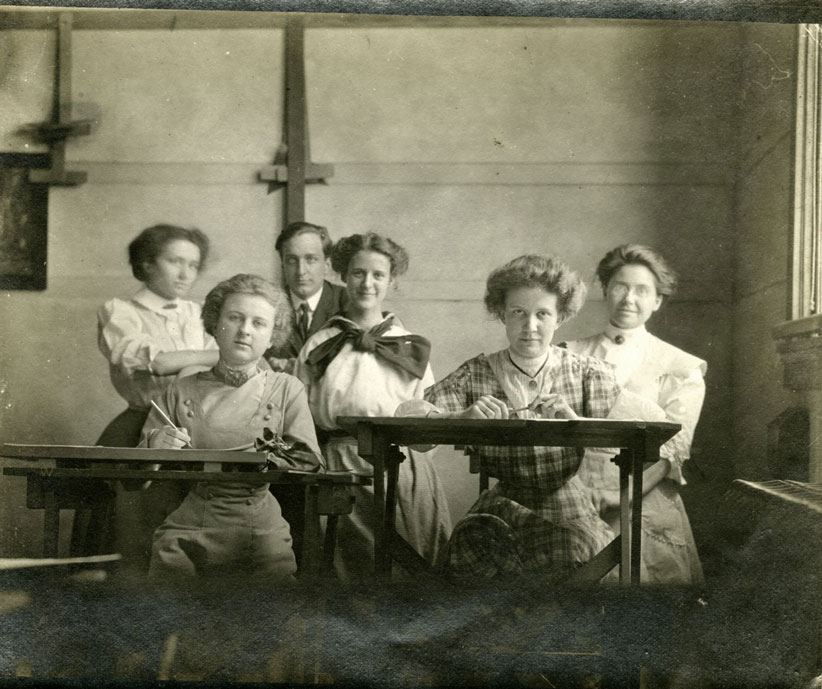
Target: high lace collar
[234,376]
[623,336]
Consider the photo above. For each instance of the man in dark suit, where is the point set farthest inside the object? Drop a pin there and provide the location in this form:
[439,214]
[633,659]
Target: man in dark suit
[305,253]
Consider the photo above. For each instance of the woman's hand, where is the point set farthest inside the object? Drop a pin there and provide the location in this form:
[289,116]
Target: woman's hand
[284,365]
[605,499]
[169,438]
[554,406]
[486,407]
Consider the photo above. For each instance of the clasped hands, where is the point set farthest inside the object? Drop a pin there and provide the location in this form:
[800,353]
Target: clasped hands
[548,406]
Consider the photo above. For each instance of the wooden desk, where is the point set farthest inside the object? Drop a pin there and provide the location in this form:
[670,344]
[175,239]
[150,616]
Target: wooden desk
[379,438]
[325,493]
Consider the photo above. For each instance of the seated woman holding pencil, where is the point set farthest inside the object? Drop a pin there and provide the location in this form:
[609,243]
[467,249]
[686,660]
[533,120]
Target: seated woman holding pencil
[236,527]
[537,519]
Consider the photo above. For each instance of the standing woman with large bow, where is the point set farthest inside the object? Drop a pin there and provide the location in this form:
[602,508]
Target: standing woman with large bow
[364,364]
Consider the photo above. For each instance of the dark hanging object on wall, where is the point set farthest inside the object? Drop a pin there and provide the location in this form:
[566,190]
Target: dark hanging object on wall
[23,223]
[789,445]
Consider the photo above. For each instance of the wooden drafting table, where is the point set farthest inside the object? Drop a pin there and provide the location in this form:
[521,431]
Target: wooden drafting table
[50,466]
[379,438]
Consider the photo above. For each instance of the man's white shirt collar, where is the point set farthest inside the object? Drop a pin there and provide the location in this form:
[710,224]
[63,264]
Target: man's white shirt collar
[312,301]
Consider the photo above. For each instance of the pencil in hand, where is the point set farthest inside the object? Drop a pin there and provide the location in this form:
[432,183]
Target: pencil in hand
[168,421]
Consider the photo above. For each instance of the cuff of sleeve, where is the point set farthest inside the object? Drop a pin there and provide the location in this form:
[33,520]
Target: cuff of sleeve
[675,472]
[153,351]
[415,408]
[137,360]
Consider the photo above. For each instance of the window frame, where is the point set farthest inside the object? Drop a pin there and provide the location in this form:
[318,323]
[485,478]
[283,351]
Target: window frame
[805,298]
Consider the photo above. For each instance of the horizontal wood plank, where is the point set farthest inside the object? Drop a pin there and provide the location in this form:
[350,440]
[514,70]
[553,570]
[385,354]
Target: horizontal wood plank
[514,432]
[258,477]
[126,454]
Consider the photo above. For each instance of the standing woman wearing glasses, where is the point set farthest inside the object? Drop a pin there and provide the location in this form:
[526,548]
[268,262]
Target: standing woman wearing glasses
[669,386]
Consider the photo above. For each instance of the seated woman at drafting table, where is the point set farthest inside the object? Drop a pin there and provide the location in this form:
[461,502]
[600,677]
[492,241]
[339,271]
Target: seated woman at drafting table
[234,528]
[537,518]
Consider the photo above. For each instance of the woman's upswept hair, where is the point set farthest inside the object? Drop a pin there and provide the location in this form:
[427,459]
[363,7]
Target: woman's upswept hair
[257,286]
[147,246]
[638,254]
[548,273]
[347,248]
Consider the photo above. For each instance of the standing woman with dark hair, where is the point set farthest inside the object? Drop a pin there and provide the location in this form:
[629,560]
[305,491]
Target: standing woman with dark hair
[148,340]
[667,385]
[151,337]
[364,364]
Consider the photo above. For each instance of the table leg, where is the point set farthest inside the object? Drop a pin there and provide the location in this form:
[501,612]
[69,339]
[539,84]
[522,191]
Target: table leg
[310,561]
[394,457]
[51,522]
[646,453]
[330,543]
[625,464]
[379,455]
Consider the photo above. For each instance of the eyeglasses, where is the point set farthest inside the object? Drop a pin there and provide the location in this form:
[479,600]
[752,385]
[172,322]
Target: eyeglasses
[621,290]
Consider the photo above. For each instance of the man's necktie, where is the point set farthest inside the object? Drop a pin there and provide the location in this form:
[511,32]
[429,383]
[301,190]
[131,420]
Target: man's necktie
[302,320]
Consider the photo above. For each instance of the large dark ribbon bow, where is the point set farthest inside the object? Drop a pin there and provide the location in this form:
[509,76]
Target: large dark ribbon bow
[407,352]
[286,456]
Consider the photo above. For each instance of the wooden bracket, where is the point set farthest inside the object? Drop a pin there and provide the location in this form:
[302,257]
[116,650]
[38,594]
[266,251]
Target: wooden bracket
[395,454]
[314,173]
[624,456]
[57,133]
[292,167]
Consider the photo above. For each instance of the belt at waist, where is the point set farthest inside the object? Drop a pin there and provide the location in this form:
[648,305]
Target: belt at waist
[208,491]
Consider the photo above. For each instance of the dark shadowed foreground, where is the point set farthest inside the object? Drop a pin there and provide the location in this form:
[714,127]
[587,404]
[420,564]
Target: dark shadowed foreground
[757,626]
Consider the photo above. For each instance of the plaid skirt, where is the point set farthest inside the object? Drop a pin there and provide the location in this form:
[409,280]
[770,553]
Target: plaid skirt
[514,529]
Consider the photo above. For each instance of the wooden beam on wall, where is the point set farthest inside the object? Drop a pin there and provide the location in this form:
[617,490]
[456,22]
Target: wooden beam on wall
[295,117]
[57,132]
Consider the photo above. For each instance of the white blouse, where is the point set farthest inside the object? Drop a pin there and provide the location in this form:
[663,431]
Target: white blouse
[670,381]
[131,333]
[357,383]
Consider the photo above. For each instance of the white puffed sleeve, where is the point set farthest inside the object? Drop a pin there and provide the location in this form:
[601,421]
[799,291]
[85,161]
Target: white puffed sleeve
[122,338]
[681,394]
[418,407]
[424,383]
